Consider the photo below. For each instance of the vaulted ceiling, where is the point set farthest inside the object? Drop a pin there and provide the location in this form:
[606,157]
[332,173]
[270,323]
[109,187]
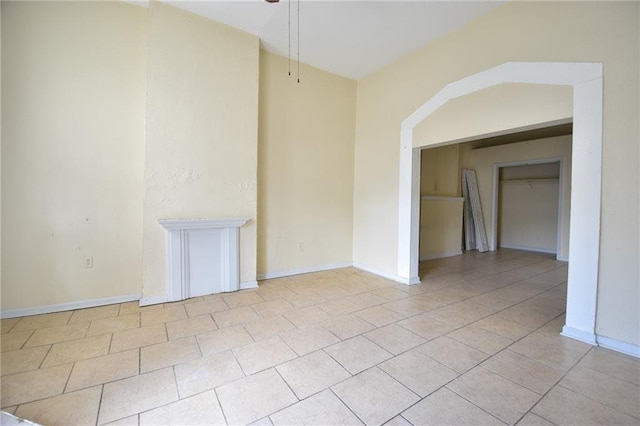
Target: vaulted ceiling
[347,38]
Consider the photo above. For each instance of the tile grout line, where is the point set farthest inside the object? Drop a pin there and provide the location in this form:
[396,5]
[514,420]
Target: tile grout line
[477,406]
[99,404]
[557,383]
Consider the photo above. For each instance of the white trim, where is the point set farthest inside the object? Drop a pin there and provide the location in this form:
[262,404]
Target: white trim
[290,272]
[179,247]
[542,181]
[562,258]
[440,198]
[586,174]
[440,255]
[411,281]
[583,336]
[375,271]
[248,285]
[154,300]
[82,304]
[182,224]
[525,248]
[618,346]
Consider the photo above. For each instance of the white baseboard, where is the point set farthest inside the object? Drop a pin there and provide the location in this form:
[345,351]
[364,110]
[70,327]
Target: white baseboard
[383,274]
[533,249]
[618,346]
[583,336]
[154,300]
[290,272]
[440,255]
[408,281]
[92,303]
[248,284]
[562,258]
[375,271]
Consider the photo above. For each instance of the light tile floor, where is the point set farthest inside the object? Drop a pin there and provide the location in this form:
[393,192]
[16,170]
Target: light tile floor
[477,342]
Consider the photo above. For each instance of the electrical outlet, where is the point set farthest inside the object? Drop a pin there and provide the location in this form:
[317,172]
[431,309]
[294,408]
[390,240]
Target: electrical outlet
[88,262]
[300,247]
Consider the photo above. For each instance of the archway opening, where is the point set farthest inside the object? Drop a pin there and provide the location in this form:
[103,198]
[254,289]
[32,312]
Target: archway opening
[586,177]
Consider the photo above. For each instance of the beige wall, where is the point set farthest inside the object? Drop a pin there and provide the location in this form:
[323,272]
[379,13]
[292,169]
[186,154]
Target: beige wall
[440,227]
[305,167]
[604,32]
[528,215]
[528,206]
[483,160]
[494,110]
[72,152]
[440,171]
[202,132]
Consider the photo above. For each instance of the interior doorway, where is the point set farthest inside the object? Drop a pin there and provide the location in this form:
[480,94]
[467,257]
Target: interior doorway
[586,79]
[528,206]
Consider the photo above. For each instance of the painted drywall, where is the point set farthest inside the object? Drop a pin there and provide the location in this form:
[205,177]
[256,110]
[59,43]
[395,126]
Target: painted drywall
[494,110]
[440,227]
[528,207]
[201,133]
[305,167]
[604,32]
[440,219]
[528,215]
[440,171]
[73,82]
[531,171]
[484,159]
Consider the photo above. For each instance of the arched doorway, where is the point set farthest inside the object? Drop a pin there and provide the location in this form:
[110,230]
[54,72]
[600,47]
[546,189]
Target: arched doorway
[586,177]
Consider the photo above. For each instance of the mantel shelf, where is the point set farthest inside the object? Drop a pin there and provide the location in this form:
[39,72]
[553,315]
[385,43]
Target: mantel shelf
[199,223]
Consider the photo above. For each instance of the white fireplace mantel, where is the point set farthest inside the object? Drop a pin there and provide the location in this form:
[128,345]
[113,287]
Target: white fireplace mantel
[203,256]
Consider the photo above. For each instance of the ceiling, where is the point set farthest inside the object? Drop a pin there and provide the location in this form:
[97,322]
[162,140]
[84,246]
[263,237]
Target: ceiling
[348,38]
[525,135]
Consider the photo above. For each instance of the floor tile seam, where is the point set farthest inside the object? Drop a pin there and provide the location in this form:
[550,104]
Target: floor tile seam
[460,373]
[529,334]
[107,382]
[490,355]
[515,304]
[71,322]
[606,404]
[224,415]
[432,392]
[51,343]
[80,359]
[392,378]
[614,377]
[397,324]
[244,376]
[404,418]
[55,396]
[330,388]
[44,399]
[478,407]
[339,363]
[514,382]
[137,414]
[378,346]
[395,380]
[295,395]
[99,404]
[136,347]
[13,326]
[556,384]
